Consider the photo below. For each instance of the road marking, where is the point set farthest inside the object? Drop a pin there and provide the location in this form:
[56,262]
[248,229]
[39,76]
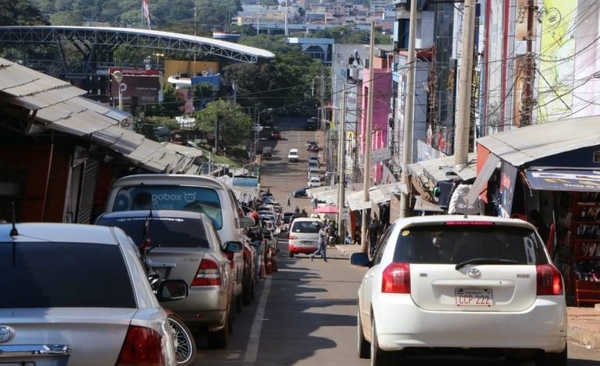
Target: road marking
[254,341]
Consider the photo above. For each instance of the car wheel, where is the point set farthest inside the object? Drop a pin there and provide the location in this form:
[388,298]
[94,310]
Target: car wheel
[291,254]
[380,357]
[239,303]
[553,359]
[185,345]
[220,338]
[363,346]
[246,292]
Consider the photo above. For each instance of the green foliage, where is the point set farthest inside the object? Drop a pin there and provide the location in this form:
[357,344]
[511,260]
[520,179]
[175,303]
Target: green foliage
[231,124]
[20,12]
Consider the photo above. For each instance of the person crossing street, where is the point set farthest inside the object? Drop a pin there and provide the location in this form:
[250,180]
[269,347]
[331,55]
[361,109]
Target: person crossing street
[322,250]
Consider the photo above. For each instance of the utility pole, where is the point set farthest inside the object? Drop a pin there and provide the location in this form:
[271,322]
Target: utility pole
[463,122]
[322,99]
[341,170]
[527,98]
[285,30]
[407,142]
[368,147]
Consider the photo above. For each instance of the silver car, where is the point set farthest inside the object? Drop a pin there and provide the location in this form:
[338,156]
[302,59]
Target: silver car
[78,295]
[187,247]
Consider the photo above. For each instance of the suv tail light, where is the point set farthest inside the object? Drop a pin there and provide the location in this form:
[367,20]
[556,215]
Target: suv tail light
[549,280]
[208,274]
[396,279]
[142,346]
[292,237]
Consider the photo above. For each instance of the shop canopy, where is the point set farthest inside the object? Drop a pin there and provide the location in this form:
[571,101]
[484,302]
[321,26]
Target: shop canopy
[545,145]
[59,106]
[556,179]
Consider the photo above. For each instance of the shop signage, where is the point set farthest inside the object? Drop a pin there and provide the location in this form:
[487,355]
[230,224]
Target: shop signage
[564,180]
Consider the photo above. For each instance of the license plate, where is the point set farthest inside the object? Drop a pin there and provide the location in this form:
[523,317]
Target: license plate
[473,297]
[306,243]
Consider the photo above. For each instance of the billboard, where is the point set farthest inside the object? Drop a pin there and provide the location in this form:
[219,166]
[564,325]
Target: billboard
[138,86]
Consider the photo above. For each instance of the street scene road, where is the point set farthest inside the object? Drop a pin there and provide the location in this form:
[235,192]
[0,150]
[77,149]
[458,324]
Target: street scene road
[305,313]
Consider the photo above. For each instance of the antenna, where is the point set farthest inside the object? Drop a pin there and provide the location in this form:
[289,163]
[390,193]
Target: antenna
[13,231]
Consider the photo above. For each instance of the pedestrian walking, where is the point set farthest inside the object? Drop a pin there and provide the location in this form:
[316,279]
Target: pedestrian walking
[289,201]
[373,232]
[322,250]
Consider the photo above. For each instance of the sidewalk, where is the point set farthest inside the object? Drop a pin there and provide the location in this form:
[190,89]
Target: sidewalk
[584,322]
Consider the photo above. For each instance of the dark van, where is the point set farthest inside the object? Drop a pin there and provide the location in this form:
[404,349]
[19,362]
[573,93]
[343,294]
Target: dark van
[311,124]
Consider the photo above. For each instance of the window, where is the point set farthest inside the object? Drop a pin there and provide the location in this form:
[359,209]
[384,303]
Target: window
[173,197]
[164,231]
[40,275]
[311,227]
[453,244]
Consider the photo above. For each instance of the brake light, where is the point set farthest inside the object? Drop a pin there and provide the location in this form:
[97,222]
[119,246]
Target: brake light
[292,237]
[396,278]
[142,346]
[549,280]
[208,274]
[469,223]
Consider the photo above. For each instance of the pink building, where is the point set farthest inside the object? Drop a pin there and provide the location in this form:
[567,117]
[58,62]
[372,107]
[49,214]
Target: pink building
[382,86]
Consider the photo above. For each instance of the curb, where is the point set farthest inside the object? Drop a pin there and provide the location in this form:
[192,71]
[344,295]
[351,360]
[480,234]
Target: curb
[585,337]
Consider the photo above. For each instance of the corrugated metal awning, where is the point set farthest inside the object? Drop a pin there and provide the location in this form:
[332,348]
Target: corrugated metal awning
[59,106]
[443,169]
[526,144]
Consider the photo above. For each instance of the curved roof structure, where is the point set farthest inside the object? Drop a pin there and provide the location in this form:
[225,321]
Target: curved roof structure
[109,36]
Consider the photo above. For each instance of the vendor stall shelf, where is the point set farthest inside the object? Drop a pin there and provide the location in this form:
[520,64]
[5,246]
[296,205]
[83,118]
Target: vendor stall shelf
[585,238]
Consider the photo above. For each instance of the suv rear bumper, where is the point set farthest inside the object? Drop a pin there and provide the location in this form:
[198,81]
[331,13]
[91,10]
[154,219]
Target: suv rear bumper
[401,324]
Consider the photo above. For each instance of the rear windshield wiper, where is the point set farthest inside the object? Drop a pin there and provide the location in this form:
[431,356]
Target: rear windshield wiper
[484,261]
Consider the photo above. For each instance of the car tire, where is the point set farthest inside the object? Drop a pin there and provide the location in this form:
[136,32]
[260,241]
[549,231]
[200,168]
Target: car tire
[220,338]
[239,303]
[247,292]
[362,345]
[380,357]
[291,255]
[553,359]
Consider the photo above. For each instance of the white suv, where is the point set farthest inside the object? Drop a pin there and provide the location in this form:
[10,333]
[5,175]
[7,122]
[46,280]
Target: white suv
[458,284]
[293,155]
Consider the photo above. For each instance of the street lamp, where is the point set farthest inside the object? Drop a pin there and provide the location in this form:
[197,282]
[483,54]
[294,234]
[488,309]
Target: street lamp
[118,76]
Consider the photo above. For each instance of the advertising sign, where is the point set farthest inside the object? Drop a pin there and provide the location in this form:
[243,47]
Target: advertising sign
[139,86]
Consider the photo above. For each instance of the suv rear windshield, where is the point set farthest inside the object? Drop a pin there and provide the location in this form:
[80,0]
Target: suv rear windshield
[172,197]
[453,244]
[310,227]
[43,275]
[164,231]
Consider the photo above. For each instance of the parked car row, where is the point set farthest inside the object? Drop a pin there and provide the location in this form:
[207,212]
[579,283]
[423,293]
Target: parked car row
[60,278]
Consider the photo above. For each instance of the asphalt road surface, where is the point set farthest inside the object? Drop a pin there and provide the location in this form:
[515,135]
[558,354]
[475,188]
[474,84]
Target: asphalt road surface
[305,314]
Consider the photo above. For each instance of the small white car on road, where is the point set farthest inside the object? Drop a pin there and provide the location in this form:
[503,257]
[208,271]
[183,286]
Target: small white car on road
[314,181]
[458,284]
[293,155]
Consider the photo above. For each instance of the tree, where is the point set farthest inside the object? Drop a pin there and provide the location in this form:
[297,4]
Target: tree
[20,12]
[230,124]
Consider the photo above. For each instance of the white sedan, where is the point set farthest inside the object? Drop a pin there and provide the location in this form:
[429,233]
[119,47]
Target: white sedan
[461,284]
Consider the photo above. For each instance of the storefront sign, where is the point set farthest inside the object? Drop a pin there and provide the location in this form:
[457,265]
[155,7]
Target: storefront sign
[564,180]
